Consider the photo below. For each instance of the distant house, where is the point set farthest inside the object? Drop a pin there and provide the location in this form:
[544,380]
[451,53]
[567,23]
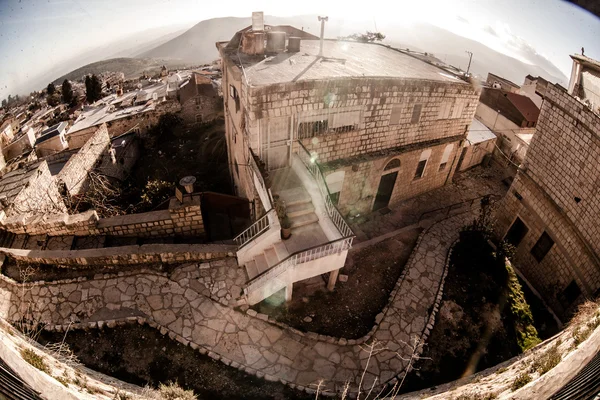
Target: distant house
[480,142]
[199,98]
[529,89]
[21,144]
[498,82]
[52,140]
[8,129]
[512,117]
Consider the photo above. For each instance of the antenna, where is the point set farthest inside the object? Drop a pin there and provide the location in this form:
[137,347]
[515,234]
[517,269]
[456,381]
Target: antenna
[470,57]
[323,20]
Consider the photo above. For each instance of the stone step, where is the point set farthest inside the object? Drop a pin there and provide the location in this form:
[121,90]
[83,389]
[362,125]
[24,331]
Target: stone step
[261,263]
[251,270]
[271,256]
[281,250]
[303,220]
[297,210]
[294,196]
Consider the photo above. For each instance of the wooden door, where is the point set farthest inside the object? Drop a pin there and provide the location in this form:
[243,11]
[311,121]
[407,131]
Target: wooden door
[278,146]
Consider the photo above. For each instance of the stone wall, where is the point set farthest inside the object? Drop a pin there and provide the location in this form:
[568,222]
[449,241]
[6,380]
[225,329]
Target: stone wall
[39,197]
[362,176]
[180,219]
[556,192]
[123,255]
[200,101]
[75,172]
[141,121]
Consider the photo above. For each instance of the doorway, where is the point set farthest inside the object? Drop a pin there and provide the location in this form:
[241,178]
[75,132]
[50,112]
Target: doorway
[461,158]
[516,233]
[384,192]
[276,143]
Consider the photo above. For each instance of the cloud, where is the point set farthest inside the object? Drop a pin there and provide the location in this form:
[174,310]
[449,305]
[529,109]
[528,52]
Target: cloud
[490,30]
[462,19]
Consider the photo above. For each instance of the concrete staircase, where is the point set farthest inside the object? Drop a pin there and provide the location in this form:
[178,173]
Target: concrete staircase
[266,260]
[299,207]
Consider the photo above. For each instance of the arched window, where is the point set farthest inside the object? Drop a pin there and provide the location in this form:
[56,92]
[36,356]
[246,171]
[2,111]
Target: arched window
[446,156]
[393,164]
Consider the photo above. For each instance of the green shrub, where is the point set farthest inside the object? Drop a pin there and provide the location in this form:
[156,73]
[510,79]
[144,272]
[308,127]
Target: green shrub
[527,335]
[35,359]
[521,380]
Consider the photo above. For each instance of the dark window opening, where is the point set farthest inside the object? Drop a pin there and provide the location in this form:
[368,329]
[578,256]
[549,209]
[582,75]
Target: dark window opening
[542,247]
[234,95]
[443,166]
[420,169]
[395,163]
[311,129]
[516,233]
[570,294]
[416,114]
[518,195]
[344,129]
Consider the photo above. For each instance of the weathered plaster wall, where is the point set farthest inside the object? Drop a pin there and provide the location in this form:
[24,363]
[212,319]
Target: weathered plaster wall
[40,197]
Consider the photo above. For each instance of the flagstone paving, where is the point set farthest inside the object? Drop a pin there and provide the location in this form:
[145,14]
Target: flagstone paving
[190,306]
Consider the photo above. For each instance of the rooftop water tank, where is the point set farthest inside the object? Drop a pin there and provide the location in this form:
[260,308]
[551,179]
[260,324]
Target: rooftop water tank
[294,44]
[275,42]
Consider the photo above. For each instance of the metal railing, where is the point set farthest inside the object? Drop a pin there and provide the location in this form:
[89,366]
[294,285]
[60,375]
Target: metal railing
[299,257]
[256,229]
[315,170]
[263,223]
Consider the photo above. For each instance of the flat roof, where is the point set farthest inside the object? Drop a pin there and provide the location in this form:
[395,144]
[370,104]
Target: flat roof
[51,132]
[342,59]
[479,133]
[12,182]
[99,115]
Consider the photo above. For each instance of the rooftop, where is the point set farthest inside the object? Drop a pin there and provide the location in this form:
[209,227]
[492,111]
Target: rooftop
[513,106]
[343,59]
[478,132]
[51,132]
[586,61]
[107,113]
[12,182]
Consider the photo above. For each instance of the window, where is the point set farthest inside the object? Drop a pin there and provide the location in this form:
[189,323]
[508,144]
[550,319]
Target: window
[344,121]
[234,95]
[311,129]
[516,233]
[335,198]
[335,182]
[416,114]
[444,112]
[542,247]
[393,164]
[457,111]
[571,293]
[446,156]
[422,163]
[396,114]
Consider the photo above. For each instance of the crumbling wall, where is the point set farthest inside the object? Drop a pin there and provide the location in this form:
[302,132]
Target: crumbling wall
[180,219]
[75,173]
[39,196]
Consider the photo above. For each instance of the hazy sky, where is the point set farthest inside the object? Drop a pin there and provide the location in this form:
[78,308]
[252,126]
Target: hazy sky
[35,36]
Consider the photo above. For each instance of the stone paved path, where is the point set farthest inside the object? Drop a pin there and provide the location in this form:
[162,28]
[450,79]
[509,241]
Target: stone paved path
[177,306]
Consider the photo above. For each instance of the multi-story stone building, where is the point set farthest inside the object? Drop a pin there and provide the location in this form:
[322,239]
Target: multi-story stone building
[335,125]
[552,210]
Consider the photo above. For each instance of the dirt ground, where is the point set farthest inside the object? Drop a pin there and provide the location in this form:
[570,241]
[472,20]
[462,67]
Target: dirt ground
[200,151]
[349,311]
[142,356]
[474,329]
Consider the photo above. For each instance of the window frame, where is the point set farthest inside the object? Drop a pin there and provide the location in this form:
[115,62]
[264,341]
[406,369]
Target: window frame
[416,118]
[541,248]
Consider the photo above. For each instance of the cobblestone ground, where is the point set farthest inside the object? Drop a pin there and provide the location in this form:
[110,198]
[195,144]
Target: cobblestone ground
[187,306]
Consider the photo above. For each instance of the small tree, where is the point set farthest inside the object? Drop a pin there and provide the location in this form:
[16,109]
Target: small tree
[67,92]
[368,37]
[51,89]
[53,100]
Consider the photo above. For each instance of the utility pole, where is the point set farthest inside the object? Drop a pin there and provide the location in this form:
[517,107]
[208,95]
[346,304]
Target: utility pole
[470,57]
[323,20]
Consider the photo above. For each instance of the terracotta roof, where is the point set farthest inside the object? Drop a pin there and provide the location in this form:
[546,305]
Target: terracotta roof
[525,105]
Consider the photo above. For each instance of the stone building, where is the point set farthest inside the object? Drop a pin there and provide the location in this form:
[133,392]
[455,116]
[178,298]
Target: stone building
[512,117]
[52,140]
[200,100]
[552,210]
[585,80]
[498,82]
[333,125]
[480,143]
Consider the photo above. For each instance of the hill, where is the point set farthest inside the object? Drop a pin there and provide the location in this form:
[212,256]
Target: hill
[197,44]
[131,67]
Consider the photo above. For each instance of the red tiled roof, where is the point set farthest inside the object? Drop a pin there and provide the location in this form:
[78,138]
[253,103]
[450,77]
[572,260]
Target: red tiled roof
[525,106]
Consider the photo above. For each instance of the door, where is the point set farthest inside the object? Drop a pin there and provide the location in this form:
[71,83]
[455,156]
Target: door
[278,143]
[461,158]
[384,192]
[516,233]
